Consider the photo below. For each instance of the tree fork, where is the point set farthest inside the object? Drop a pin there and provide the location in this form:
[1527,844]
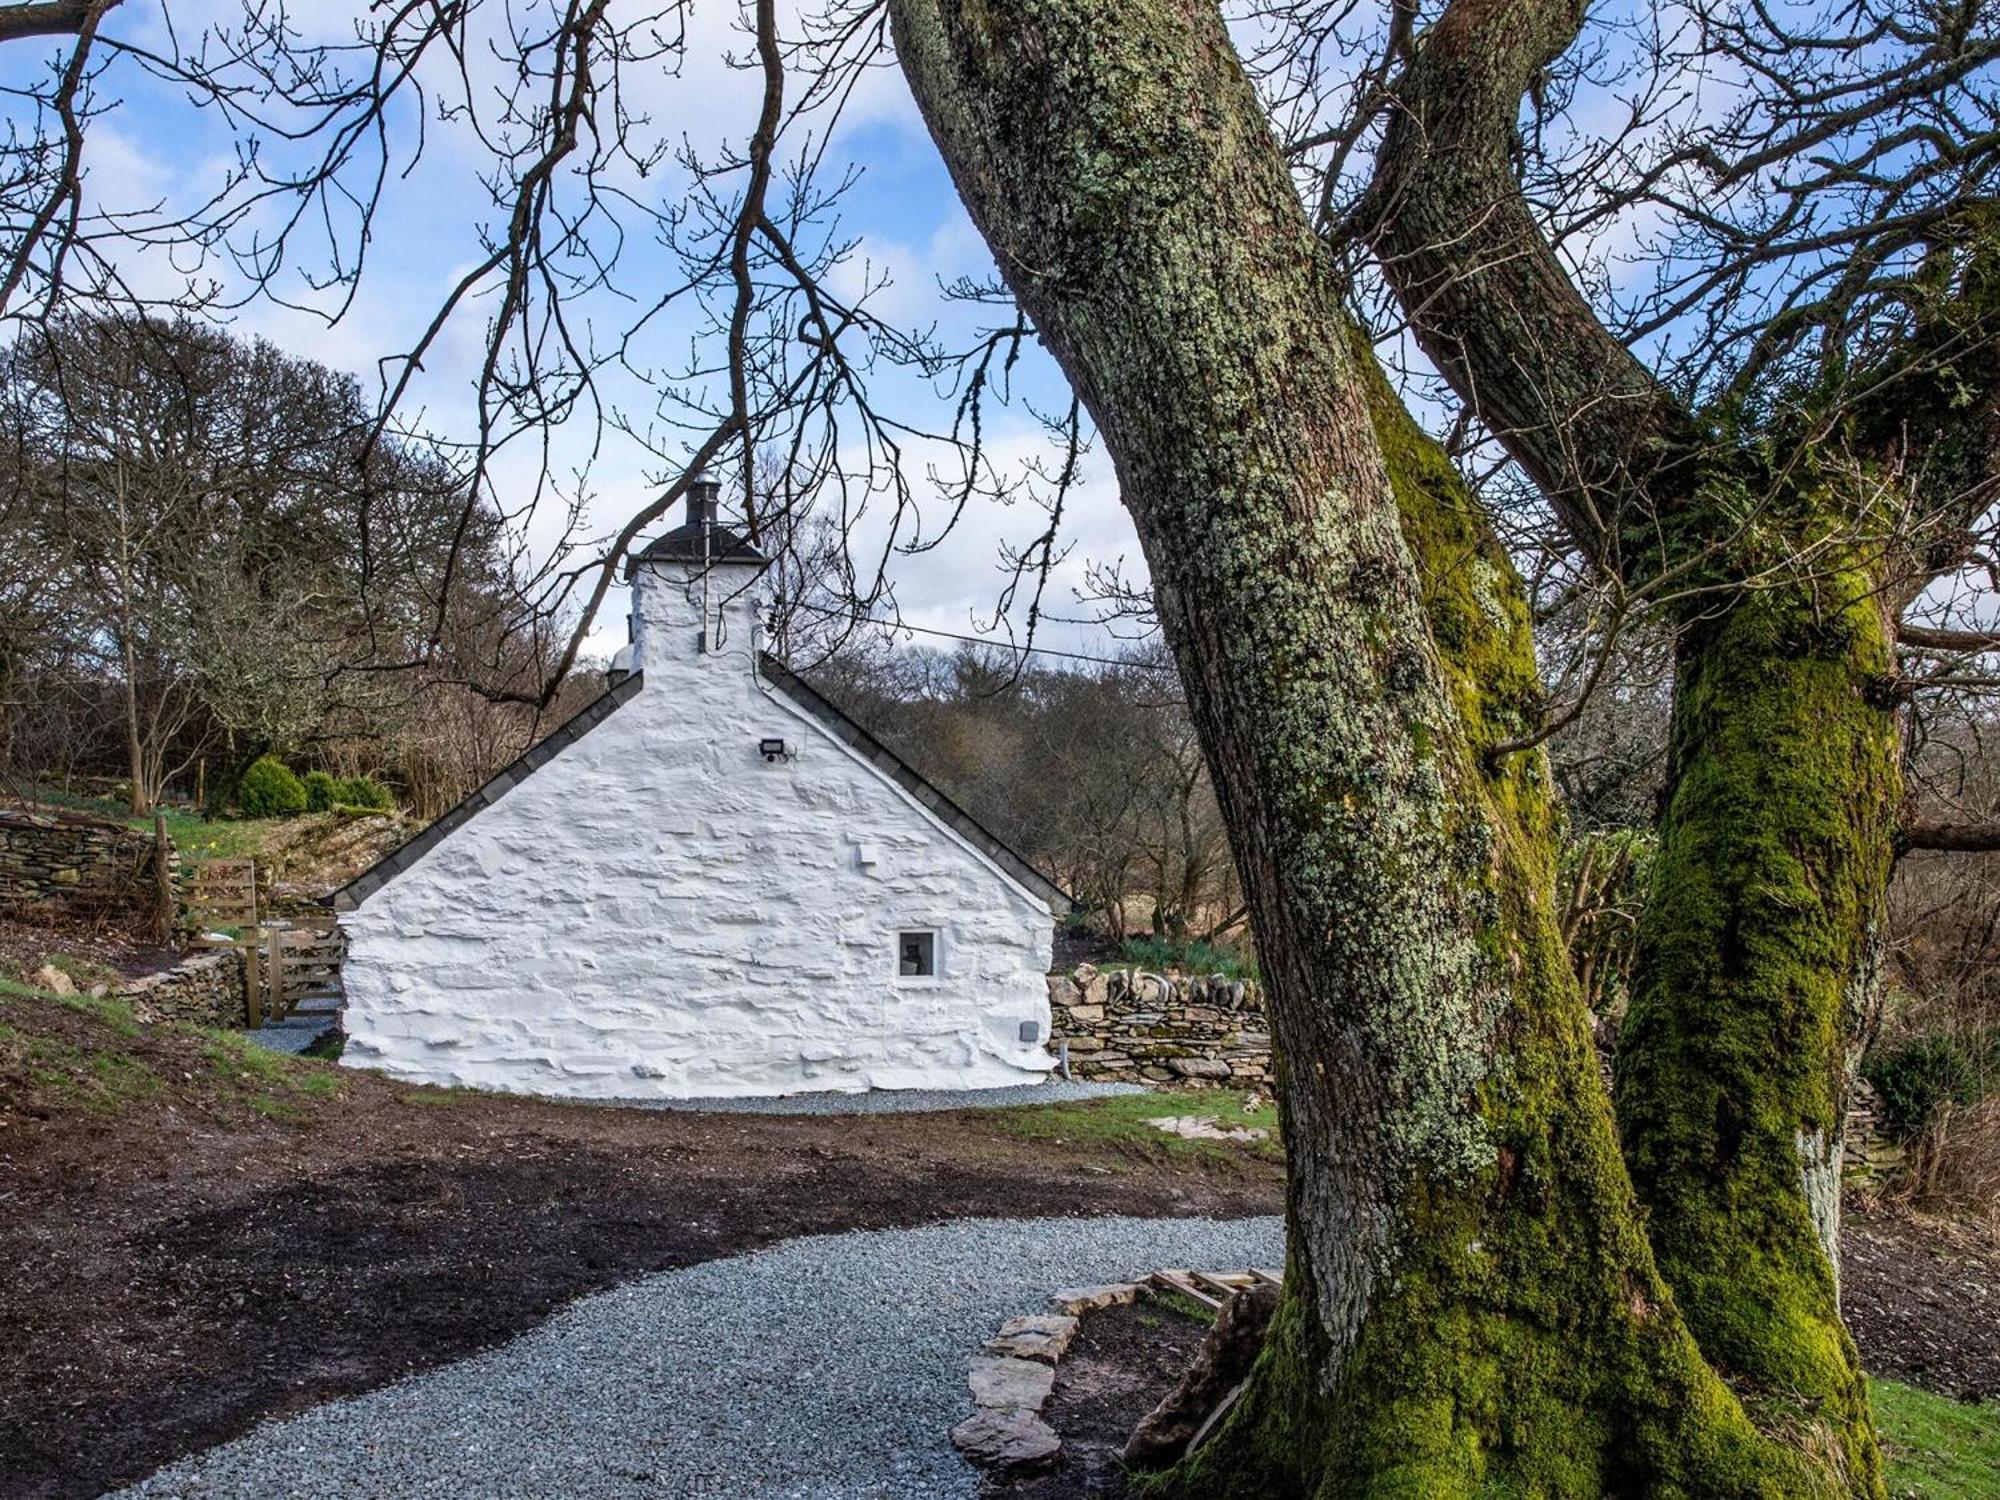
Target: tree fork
[1472,1307]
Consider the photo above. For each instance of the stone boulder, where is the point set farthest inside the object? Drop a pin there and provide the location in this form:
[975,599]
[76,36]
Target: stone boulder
[1006,1439]
[55,981]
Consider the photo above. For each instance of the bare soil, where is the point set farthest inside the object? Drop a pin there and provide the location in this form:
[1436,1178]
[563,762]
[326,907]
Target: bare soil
[1120,1365]
[26,946]
[197,1237]
[1922,1297]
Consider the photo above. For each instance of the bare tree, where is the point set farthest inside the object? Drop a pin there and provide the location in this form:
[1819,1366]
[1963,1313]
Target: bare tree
[1474,1300]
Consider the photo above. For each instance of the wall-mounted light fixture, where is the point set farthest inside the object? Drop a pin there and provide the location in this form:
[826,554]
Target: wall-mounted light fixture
[772,750]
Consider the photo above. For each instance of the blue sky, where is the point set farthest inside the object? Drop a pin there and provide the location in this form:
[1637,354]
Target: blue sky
[150,146]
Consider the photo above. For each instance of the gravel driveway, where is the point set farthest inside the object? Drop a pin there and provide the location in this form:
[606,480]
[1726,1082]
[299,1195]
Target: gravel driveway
[827,1368]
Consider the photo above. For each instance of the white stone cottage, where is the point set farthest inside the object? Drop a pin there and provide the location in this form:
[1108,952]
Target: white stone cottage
[709,883]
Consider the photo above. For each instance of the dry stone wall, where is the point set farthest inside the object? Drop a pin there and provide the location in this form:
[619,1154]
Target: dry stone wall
[63,865]
[207,990]
[1130,1026]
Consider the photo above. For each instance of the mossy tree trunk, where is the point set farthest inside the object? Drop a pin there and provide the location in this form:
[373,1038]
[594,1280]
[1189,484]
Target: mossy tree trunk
[1756,978]
[1471,1304]
[1755,974]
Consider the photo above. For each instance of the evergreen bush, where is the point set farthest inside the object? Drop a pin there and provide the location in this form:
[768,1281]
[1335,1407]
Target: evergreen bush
[322,791]
[365,793]
[270,790]
[1917,1078]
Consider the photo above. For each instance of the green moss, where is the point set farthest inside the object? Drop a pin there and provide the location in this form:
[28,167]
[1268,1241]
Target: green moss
[1524,1344]
[1758,946]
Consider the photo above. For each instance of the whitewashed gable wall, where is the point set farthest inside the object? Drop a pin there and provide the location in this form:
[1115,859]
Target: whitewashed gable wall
[659,912]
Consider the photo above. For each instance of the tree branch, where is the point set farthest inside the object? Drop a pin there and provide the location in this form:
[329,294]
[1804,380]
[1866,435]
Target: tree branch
[1931,639]
[1488,299]
[50,18]
[1959,838]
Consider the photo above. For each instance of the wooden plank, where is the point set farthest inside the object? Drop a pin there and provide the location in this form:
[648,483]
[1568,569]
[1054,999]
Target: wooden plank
[1269,1278]
[1224,1286]
[1214,1418]
[222,893]
[253,987]
[1180,1281]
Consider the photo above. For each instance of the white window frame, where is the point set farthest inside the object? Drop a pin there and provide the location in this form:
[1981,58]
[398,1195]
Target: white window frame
[936,974]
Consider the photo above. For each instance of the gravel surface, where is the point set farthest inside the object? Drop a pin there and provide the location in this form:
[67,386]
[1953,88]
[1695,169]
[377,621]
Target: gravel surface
[893,1101]
[293,1034]
[828,1368]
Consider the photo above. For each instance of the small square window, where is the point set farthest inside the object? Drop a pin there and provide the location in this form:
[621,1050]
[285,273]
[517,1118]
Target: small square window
[916,955]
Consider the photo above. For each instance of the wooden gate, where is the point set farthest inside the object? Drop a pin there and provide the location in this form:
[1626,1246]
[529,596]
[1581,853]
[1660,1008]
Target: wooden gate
[289,967]
[221,899]
[302,965]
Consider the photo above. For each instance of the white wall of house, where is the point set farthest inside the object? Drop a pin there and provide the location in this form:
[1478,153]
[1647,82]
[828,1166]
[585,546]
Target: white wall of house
[660,912]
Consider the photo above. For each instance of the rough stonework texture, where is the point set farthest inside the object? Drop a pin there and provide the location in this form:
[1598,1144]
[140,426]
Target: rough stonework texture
[1130,1026]
[660,911]
[206,990]
[63,865]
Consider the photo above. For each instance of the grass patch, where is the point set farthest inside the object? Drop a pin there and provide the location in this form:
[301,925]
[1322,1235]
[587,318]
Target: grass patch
[98,1067]
[84,973]
[1937,1448]
[45,794]
[109,1010]
[429,1096]
[1121,1120]
[101,1081]
[196,837]
[1183,1304]
[276,1085]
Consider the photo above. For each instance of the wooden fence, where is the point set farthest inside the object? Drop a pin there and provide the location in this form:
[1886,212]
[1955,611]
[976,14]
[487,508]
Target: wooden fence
[286,963]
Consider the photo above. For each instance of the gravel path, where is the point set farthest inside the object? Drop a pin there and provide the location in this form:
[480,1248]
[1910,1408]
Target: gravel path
[893,1101]
[828,1368]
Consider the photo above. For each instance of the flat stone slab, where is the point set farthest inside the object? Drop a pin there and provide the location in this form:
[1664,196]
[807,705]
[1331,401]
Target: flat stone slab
[1207,1128]
[1010,1439]
[1010,1384]
[1041,1336]
[1077,1300]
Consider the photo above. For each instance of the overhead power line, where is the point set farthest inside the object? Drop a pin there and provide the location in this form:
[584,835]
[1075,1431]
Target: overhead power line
[988,641]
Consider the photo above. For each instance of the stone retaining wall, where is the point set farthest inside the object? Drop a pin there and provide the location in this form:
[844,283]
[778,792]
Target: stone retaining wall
[207,990]
[1129,1026]
[66,865]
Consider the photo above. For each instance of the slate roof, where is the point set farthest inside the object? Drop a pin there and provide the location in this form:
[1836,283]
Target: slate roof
[685,542]
[386,869]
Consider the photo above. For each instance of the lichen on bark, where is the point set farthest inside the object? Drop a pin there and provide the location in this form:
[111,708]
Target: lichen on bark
[1472,1307]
